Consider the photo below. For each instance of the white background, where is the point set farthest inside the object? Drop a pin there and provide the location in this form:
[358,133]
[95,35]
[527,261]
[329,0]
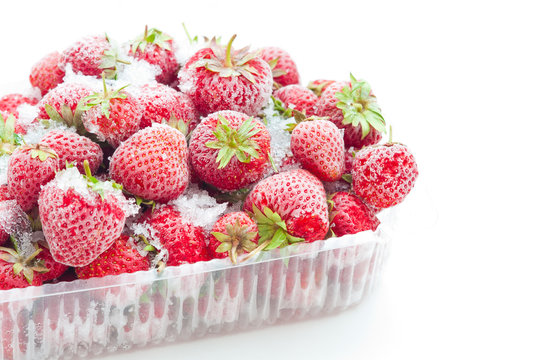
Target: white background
[461,84]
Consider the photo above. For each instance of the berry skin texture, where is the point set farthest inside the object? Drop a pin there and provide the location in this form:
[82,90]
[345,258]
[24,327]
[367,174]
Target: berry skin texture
[11,102]
[120,258]
[77,223]
[327,106]
[349,215]
[319,86]
[184,242]
[46,73]
[210,92]
[300,200]
[123,121]
[8,279]
[384,175]
[66,93]
[285,64]
[73,148]
[231,220]
[297,97]
[55,269]
[318,145]
[152,164]
[236,174]
[27,173]
[162,103]
[4,196]
[86,55]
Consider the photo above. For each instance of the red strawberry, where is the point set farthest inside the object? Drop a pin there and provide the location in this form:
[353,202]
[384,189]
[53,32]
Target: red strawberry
[54,269]
[152,164]
[46,73]
[92,56]
[232,235]
[318,145]
[113,116]
[226,79]
[319,86]
[349,215]
[120,258]
[157,48]
[81,216]
[11,102]
[229,150]
[10,133]
[349,156]
[18,270]
[284,68]
[290,206]
[73,148]
[184,242]
[62,104]
[4,193]
[4,207]
[352,107]
[29,168]
[164,104]
[297,97]
[384,175]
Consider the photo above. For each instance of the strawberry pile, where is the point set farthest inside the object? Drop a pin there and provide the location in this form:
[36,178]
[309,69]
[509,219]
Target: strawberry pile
[148,154]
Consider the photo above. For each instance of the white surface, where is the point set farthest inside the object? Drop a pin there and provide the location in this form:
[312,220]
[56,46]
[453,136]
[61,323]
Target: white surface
[460,83]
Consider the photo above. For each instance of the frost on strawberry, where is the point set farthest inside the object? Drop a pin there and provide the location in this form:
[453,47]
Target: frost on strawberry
[349,215]
[46,74]
[230,150]
[283,66]
[157,48]
[218,78]
[82,216]
[112,115]
[232,235]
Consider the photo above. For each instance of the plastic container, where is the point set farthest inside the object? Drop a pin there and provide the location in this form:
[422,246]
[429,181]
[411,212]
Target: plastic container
[90,317]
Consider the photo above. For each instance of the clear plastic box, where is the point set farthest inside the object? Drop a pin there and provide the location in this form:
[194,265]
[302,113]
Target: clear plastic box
[90,317]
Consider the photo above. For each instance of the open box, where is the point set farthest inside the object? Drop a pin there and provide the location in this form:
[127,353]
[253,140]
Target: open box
[89,317]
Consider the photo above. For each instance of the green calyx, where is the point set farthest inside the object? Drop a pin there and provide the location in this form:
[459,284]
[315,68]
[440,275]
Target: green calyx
[272,229]
[41,152]
[178,124]
[279,107]
[9,139]
[238,143]
[25,266]
[276,72]
[317,89]
[236,241]
[97,186]
[359,107]
[300,117]
[103,99]
[151,36]
[66,116]
[110,60]
[227,62]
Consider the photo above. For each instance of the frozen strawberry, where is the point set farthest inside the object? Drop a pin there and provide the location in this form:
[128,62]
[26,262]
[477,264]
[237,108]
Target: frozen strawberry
[162,103]
[92,56]
[11,102]
[184,242]
[297,97]
[232,235]
[349,215]
[4,196]
[284,68]
[152,164]
[64,104]
[46,73]
[230,150]
[289,207]
[218,78]
[349,156]
[353,107]
[122,257]
[29,168]
[112,115]
[74,149]
[18,270]
[384,175]
[81,216]
[318,145]
[157,48]
[319,86]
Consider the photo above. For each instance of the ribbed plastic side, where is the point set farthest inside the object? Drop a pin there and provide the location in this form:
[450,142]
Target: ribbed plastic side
[85,318]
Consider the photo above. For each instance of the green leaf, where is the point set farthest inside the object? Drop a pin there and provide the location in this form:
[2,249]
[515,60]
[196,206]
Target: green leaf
[149,248]
[225,246]
[220,236]
[53,114]
[278,239]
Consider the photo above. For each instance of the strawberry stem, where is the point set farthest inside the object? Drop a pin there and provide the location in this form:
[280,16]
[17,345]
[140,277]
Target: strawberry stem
[146,31]
[105,86]
[227,61]
[389,140]
[86,166]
